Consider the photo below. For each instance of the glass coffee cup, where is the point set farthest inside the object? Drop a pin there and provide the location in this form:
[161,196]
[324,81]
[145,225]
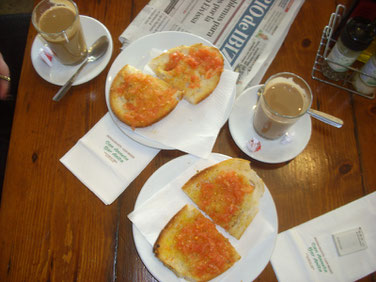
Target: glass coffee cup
[58,23]
[284,99]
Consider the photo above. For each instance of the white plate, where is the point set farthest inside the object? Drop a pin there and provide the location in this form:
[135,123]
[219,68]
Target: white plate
[272,151]
[249,266]
[137,54]
[58,74]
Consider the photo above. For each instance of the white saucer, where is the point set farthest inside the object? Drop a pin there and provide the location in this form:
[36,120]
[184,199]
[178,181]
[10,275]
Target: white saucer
[58,74]
[138,54]
[272,151]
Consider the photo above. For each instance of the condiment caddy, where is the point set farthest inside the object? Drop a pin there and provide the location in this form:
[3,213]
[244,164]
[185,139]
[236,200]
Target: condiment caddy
[349,77]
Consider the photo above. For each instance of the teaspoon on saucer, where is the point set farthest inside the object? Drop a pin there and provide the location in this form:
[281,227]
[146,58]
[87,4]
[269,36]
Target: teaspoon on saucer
[324,117]
[96,51]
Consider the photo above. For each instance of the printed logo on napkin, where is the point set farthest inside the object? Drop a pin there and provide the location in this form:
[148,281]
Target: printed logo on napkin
[316,257]
[113,151]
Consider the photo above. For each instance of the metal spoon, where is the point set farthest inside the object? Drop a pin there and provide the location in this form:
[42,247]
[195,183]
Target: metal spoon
[96,51]
[324,117]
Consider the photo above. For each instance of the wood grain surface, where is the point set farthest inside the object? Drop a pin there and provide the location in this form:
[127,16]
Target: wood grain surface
[52,228]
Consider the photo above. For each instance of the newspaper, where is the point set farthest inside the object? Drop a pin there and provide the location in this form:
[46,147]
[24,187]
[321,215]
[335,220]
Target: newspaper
[249,33]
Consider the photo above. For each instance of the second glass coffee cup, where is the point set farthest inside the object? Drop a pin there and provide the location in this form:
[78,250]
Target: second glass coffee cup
[284,99]
[58,22]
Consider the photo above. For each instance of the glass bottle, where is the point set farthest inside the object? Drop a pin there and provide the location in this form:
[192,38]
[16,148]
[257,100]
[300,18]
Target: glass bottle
[367,54]
[356,36]
[361,8]
[363,83]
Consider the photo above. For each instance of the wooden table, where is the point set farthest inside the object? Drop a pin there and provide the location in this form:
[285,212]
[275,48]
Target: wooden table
[52,228]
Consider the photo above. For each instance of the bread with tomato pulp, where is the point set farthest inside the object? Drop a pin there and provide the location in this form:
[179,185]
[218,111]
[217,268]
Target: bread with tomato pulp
[229,192]
[140,99]
[195,70]
[192,247]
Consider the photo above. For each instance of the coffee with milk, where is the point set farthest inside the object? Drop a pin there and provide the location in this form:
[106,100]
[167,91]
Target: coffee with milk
[58,22]
[282,101]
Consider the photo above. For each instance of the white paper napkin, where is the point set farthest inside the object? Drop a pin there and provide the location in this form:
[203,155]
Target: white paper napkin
[308,252]
[194,128]
[151,217]
[106,160]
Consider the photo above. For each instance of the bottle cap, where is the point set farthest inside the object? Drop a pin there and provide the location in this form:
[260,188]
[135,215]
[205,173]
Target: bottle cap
[358,33]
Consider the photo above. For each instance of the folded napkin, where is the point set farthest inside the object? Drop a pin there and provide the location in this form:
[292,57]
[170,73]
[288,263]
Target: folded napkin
[106,161]
[194,128]
[151,216]
[337,246]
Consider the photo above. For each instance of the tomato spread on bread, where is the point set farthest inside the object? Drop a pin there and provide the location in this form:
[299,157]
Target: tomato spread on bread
[139,99]
[145,100]
[229,189]
[192,247]
[195,70]
[204,61]
[201,243]
[228,192]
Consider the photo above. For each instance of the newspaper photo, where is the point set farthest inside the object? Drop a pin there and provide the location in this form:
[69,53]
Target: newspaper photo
[249,33]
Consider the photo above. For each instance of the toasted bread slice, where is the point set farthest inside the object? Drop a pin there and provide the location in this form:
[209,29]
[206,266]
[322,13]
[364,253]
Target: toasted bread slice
[139,99]
[191,246]
[195,69]
[228,192]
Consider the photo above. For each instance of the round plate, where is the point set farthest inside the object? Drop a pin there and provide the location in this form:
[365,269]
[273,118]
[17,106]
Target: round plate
[272,151]
[58,74]
[138,54]
[248,268]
